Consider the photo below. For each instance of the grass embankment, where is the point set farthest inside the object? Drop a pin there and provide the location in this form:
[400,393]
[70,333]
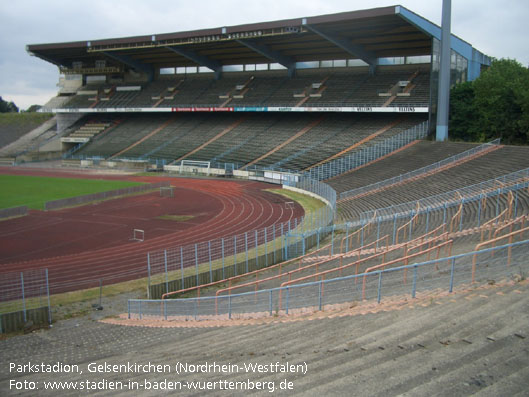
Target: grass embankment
[34,191]
[29,119]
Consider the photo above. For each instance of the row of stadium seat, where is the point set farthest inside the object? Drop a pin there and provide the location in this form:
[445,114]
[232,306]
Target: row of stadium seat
[308,88]
[291,141]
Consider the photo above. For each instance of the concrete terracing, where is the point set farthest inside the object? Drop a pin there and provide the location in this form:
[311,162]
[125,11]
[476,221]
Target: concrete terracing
[471,341]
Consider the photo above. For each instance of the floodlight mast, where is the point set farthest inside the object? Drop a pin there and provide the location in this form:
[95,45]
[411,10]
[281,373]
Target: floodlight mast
[443,98]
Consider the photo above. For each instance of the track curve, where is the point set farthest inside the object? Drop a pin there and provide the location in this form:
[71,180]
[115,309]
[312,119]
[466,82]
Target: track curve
[55,240]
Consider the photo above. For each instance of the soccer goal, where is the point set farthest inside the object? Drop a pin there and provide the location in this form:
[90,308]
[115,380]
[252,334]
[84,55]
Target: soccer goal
[195,166]
[167,191]
[289,205]
[138,235]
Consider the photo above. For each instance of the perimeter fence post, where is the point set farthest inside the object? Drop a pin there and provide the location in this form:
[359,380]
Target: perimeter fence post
[379,294]
[256,251]
[196,262]
[48,294]
[246,249]
[414,285]
[332,240]
[235,254]
[319,294]
[182,265]
[288,296]
[210,265]
[266,249]
[274,239]
[222,251]
[165,309]
[452,270]
[270,302]
[166,273]
[23,295]
[128,307]
[148,275]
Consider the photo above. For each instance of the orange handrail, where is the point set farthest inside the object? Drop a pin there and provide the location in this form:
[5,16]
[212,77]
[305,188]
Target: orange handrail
[520,219]
[357,263]
[234,278]
[406,259]
[507,212]
[457,215]
[412,220]
[484,243]
[350,237]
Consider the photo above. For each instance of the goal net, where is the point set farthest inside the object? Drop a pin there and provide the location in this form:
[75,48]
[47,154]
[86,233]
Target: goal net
[138,235]
[195,166]
[289,205]
[167,191]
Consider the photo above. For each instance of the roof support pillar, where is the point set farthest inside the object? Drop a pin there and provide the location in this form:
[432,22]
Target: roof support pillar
[444,75]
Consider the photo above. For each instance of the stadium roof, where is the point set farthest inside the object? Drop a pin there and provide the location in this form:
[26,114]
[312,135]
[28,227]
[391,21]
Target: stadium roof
[367,34]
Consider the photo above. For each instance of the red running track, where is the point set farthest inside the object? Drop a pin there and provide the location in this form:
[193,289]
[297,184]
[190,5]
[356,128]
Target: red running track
[81,245]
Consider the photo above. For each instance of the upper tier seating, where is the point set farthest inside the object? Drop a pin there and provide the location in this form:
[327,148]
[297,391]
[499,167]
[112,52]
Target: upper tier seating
[310,87]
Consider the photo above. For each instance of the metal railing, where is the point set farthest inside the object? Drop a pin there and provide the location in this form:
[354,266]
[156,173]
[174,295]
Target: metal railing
[508,262]
[419,172]
[368,154]
[24,296]
[493,187]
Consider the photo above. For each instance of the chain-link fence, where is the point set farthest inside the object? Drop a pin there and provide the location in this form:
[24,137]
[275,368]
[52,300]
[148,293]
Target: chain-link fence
[182,267]
[25,297]
[491,265]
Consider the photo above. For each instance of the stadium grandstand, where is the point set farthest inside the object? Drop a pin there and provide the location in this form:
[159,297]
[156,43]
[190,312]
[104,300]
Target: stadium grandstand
[299,92]
[339,107]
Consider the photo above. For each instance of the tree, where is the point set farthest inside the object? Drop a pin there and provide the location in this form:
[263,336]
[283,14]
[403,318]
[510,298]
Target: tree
[495,105]
[7,107]
[462,113]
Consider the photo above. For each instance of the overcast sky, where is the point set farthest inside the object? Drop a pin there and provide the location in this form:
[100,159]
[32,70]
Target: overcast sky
[497,28]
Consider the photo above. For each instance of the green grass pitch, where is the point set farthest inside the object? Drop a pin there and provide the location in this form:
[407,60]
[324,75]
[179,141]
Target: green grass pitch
[34,191]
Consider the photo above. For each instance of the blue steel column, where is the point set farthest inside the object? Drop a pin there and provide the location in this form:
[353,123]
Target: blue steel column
[444,75]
